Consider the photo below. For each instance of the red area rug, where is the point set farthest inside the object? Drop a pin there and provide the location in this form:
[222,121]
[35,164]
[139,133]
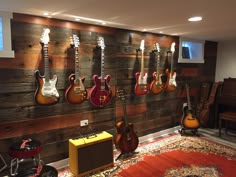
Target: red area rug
[174,156]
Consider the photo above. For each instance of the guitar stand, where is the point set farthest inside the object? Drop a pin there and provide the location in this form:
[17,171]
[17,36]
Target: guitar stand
[125,154]
[182,131]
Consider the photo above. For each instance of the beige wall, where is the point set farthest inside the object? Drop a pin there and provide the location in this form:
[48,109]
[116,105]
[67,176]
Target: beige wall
[226,60]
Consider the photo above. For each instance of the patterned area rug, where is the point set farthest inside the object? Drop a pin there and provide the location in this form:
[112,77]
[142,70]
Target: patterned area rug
[173,156]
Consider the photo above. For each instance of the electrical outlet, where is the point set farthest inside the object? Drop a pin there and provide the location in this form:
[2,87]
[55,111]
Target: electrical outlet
[83,123]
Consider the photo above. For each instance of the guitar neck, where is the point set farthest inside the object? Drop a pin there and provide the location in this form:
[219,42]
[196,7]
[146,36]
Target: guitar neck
[102,66]
[46,63]
[125,115]
[188,99]
[172,60]
[142,63]
[158,62]
[76,63]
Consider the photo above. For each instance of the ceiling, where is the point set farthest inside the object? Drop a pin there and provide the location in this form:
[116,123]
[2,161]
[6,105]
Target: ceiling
[165,16]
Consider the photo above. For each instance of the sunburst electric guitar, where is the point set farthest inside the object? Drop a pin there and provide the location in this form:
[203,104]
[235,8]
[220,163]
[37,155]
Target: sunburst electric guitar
[76,92]
[100,94]
[189,121]
[156,86]
[46,93]
[141,86]
[171,84]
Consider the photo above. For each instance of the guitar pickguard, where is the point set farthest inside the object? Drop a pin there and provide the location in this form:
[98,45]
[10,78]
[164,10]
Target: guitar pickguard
[49,88]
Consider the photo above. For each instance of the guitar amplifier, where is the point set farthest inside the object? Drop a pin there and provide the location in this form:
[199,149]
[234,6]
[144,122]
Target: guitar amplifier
[90,154]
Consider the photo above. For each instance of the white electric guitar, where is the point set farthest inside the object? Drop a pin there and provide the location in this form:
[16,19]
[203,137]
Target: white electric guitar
[141,87]
[171,84]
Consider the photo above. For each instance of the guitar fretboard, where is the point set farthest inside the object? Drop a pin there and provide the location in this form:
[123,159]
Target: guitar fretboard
[76,63]
[102,66]
[188,98]
[46,63]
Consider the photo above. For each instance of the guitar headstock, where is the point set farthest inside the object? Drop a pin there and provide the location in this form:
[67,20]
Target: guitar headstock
[142,45]
[157,47]
[74,40]
[121,94]
[45,36]
[101,42]
[172,48]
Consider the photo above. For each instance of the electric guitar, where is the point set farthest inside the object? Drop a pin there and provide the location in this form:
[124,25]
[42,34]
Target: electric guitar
[76,93]
[126,139]
[156,86]
[100,94]
[188,120]
[171,84]
[141,86]
[46,93]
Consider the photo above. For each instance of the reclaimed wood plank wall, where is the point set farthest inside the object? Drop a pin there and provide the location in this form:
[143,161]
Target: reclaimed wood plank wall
[21,117]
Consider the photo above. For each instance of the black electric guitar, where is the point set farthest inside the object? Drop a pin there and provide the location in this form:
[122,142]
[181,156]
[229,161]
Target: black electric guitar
[76,92]
[189,121]
[126,139]
[46,93]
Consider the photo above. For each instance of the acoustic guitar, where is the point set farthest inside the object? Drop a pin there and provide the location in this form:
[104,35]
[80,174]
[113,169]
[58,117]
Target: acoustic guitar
[46,92]
[171,84]
[141,86]
[126,140]
[100,94]
[156,86]
[76,92]
[189,121]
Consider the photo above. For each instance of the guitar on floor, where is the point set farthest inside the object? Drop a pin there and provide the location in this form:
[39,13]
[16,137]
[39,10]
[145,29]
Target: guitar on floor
[76,92]
[141,86]
[46,92]
[171,84]
[156,86]
[126,140]
[100,94]
[189,121]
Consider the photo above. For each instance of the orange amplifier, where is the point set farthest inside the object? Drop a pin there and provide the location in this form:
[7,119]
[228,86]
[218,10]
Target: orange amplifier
[90,154]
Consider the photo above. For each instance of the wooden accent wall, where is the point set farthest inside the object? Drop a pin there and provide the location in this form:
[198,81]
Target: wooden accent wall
[21,117]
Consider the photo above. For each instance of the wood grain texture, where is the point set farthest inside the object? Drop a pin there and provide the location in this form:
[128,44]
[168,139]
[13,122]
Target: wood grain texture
[21,117]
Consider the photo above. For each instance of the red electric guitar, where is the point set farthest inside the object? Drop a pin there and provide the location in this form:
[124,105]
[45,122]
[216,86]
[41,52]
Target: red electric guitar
[171,84]
[126,139]
[100,94]
[76,92]
[141,86]
[46,93]
[156,85]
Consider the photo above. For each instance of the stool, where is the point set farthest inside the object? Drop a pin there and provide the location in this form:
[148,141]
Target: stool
[226,116]
[40,171]
[24,149]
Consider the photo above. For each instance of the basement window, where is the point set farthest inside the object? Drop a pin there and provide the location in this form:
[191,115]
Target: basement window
[5,35]
[191,51]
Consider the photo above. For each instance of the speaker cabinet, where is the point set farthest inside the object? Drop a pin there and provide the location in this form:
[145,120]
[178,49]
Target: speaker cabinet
[90,154]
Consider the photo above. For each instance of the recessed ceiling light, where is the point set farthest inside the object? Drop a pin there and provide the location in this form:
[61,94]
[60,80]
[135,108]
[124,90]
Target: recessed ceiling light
[161,32]
[77,19]
[46,13]
[195,19]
